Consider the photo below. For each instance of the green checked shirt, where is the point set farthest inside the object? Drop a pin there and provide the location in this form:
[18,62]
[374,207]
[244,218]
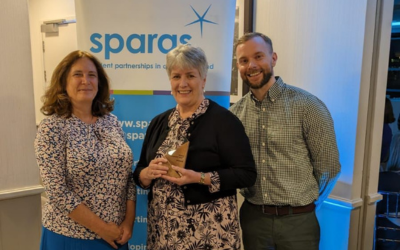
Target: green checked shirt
[293,143]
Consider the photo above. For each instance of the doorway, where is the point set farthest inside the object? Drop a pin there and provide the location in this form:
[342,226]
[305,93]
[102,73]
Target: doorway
[387,227]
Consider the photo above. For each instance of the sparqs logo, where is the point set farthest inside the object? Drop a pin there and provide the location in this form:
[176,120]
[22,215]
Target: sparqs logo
[136,43]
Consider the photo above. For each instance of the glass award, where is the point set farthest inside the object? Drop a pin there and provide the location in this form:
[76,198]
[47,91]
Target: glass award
[176,157]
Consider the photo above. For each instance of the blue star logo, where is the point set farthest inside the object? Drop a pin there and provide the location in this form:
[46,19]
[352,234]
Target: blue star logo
[201,19]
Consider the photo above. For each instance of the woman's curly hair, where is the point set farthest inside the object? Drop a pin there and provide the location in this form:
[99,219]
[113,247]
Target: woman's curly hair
[56,99]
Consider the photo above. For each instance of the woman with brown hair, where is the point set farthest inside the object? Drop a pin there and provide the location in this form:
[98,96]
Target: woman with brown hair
[85,164]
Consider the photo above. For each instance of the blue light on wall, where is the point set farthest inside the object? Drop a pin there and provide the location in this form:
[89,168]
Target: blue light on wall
[395,27]
[334,220]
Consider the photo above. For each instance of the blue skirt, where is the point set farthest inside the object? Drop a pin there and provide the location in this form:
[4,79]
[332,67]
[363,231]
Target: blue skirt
[54,241]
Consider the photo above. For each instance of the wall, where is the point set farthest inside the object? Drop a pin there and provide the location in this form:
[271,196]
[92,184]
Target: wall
[329,49]
[19,178]
[372,100]
[40,11]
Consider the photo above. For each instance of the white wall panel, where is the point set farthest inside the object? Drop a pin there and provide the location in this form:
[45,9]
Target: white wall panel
[17,126]
[19,174]
[320,48]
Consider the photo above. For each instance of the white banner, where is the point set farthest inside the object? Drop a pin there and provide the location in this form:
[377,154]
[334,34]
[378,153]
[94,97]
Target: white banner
[131,39]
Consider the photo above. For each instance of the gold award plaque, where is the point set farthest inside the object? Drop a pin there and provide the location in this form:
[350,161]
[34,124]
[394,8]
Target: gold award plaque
[177,158]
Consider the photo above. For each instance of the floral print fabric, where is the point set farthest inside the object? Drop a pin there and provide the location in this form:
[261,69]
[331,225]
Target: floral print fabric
[82,163]
[171,225]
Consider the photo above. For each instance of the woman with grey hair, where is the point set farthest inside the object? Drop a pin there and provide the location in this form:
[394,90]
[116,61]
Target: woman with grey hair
[196,207]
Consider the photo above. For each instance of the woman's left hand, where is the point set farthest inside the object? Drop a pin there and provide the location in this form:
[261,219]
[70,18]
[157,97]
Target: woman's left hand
[187,176]
[126,228]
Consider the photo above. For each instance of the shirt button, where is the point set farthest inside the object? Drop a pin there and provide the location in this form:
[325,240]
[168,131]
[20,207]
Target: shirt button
[192,123]
[266,195]
[263,161]
[272,100]
[189,134]
[263,126]
[263,178]
[263,144]
[263,109]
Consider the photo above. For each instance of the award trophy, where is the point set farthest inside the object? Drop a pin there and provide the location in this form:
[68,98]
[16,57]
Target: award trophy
[176,157]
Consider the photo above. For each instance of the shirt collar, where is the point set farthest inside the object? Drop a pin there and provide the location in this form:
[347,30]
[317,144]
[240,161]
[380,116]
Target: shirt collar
[174,117]
[273,93]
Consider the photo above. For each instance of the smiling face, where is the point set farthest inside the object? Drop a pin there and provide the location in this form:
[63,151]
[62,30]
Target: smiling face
[255,62]
[82,82]
[187,87]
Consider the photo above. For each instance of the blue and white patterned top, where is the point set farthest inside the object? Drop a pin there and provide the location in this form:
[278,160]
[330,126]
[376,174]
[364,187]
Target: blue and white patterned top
[83,163]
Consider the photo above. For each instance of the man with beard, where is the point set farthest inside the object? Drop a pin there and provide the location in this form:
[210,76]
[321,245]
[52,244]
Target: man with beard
[293,142]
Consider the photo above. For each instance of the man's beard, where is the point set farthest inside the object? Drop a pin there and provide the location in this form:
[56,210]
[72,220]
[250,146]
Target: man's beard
[263,82]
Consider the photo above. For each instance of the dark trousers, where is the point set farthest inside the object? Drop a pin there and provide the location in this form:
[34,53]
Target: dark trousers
[270,232]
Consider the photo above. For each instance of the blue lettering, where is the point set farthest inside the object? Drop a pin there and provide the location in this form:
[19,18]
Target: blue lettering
[150,42]
[161,41]
[109,49]
[114,43]
[97,43]
[185,38]
[142,47]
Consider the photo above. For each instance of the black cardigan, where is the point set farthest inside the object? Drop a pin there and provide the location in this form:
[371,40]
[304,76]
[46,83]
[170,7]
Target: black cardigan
[218,142]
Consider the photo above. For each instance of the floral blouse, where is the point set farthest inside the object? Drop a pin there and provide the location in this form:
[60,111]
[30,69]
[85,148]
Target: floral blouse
[171,225]
[83,163]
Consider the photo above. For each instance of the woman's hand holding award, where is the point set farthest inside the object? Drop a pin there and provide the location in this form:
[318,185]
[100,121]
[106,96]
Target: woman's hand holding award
[176,157]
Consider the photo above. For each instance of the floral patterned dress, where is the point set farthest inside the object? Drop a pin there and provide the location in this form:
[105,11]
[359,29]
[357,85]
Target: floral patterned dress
[82,163]
[171,225]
